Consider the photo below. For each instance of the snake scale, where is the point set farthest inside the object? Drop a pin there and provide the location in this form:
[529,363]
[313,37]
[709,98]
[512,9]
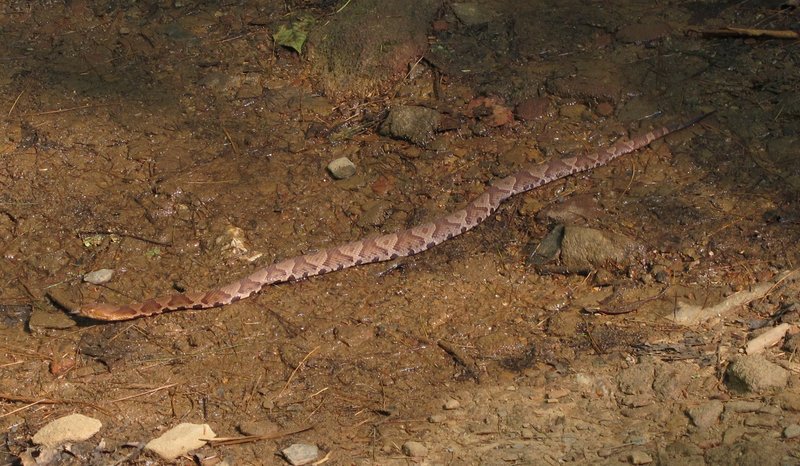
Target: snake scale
[390,246]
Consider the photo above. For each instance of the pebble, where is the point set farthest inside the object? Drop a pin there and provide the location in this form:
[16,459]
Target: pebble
[742,406]
[99,277]
[342,168]
[753,373]
[706,414]
[533,108]
[791,431]
[412,123]
[72,428]
[451,404]
[640,457]
[300,453]
[42,319]
[180,440]
[412,448]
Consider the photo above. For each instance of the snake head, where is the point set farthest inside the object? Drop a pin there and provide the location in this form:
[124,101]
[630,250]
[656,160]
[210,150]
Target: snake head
[108,312]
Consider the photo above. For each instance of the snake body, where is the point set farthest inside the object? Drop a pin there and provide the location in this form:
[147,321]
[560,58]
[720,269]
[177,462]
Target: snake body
[390,246]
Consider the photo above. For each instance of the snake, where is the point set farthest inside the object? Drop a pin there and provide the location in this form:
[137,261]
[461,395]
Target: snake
[390,246]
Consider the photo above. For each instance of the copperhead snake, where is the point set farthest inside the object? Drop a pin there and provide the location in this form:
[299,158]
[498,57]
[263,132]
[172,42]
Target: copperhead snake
[390,246]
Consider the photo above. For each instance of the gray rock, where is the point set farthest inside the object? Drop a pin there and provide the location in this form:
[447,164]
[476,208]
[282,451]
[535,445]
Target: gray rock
[415,124]
[300,453]
[72,428]
[180,440]
[706,414]
[416,449]
[753,373]
[341,168]
[792,431]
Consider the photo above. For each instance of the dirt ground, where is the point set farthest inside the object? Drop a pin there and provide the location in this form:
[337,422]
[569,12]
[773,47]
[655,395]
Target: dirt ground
[174,143]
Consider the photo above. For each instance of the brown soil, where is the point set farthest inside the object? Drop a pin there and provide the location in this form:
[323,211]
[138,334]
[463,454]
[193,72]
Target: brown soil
[174,143]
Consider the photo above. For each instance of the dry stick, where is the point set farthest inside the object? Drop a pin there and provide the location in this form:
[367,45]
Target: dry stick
[15,102]
[233,144]
[44,401]
[51,112]
[21,408]
[144,393]
[254,438]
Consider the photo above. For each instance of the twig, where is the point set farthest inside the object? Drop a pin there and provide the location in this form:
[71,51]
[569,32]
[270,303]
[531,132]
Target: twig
[15,102]
[44,401]
[254,438]
[144,393]
[21,408]
[51,112]
[291,376]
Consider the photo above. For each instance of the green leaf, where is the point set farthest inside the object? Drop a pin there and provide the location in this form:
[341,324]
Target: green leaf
[293,37]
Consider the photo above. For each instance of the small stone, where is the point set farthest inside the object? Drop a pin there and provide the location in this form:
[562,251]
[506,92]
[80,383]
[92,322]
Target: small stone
[300,453]
[180,440]
[436,418]
[72,428]
[760,420]
[412,123]
[526,434]
[604,109]
[99,277]
[640,457]
[792,431]
[451,404]
[742,406]
[706,414]
[412,448]
[257,428]
[557,393]
[341,168]
[42,320]
[753,373]
[532,109]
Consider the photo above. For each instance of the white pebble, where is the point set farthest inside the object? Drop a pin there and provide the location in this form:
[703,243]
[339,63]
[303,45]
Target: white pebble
[72,428]
[180,440]
[99,277]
